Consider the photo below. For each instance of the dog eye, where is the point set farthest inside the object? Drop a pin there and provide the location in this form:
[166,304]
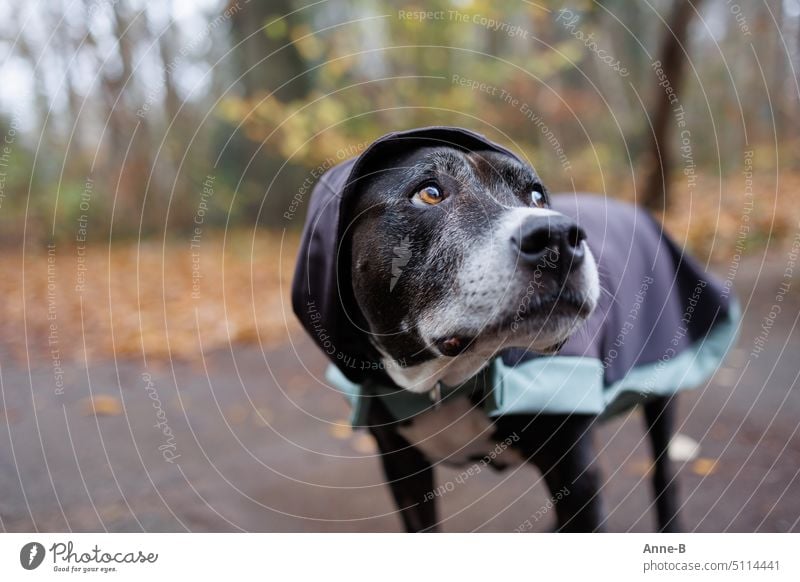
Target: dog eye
[430,195]
[537,197]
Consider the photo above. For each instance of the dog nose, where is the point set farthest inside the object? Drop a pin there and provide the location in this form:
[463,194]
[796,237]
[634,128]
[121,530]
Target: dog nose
[550,242]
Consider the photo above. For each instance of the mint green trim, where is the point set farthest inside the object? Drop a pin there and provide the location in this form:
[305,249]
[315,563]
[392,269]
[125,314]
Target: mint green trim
[689,369]
[350,390]
[574,384]
[561,384]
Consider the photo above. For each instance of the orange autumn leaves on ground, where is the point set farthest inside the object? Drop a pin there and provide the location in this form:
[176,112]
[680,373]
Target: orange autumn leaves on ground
[161,300]
[719,220]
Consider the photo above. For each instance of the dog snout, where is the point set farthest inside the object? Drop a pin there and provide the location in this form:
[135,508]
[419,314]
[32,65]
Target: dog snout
[552,242]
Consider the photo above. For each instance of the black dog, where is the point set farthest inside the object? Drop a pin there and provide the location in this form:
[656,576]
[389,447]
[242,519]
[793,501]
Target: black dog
[464,307]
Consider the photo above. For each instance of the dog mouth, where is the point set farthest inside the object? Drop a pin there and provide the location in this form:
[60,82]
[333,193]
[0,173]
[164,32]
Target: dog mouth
[557,314]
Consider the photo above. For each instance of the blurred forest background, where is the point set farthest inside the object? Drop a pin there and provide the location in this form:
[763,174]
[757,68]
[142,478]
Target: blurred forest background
[131,127]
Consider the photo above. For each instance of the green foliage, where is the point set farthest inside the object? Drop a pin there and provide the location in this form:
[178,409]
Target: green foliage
[509,70]
[297,87]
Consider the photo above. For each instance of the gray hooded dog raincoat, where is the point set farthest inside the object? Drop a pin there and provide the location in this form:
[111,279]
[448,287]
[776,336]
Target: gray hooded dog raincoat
[662,324]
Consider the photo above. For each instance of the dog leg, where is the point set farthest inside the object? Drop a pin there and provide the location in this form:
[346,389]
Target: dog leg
[560,446]
[569,468]
[659,414]
[408,472]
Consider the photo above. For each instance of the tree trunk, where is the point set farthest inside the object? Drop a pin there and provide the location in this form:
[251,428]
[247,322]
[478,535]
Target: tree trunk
[655,194]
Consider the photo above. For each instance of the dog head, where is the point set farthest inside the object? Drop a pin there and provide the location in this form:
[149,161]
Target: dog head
[454,255]
[432,251]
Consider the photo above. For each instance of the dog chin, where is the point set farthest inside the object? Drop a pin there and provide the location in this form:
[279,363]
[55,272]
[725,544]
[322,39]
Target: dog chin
[544,330]
[545,339]
[471,353]
[461,354]
[533,334]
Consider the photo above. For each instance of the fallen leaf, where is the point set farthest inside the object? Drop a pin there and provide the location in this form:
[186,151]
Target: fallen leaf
[114,511]
[102,405]
[236,414]
[340,429]
[704,467]
[364,444]
[11,415]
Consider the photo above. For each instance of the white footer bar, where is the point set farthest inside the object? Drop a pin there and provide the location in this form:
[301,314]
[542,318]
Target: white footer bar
[401,557]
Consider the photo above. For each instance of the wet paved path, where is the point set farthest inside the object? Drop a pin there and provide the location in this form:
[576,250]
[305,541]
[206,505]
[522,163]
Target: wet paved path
[256,443]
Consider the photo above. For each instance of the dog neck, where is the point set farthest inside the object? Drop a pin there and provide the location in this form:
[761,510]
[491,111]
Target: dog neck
[424,377]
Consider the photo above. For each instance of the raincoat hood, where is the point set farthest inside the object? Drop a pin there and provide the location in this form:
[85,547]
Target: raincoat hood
[322,295]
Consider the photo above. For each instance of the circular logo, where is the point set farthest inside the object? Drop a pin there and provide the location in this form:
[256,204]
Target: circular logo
[31,555]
